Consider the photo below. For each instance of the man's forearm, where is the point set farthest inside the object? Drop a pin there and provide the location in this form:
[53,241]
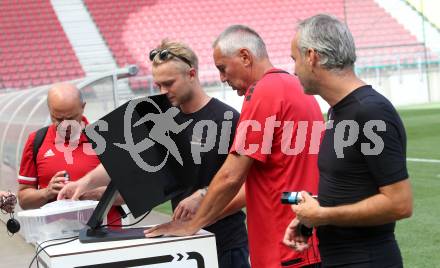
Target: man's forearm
[32,198]
[119,200]
[392,204]
[238,203]
[97,177]
[223,189]
[369,212]
[97,193]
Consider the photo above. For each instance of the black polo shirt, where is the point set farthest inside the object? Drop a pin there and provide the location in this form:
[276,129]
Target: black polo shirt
[349,174]
[230,232]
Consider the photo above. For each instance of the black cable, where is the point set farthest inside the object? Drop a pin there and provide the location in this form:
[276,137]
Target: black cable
[56,244]
[118,218]
[55,239]
[312,247]
[7,205]
[11,216]
[313,244]
[76,237]
[308,259]
[125,225]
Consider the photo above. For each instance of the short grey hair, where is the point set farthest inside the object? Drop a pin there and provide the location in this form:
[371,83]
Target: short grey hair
[240,36]
[330,38]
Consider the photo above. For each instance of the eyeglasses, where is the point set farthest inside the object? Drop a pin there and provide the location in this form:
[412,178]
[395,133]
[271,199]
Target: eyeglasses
[165,54]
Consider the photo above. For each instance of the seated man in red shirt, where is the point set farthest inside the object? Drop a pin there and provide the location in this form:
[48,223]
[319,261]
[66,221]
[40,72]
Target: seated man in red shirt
[43,176]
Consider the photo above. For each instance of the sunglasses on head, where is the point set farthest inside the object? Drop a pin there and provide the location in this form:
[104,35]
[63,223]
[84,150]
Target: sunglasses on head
[165,54]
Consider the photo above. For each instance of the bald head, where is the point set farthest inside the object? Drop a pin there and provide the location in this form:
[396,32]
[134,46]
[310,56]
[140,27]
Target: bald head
[65,102]
[64,93]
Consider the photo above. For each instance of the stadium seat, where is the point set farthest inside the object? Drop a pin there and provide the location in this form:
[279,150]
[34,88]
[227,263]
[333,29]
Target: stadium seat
[146,23]
[32,38]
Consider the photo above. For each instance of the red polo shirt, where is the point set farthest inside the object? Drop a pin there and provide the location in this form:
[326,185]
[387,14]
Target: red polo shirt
[277,96]
[50,160]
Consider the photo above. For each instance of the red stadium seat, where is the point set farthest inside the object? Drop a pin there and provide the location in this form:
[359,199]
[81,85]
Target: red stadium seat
[32,38]
[145,24]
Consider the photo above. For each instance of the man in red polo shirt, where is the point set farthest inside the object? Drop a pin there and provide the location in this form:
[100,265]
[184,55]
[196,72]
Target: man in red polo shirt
[41,178]
[274,150]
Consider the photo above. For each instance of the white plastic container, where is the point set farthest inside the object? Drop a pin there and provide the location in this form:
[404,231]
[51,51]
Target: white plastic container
[59,219]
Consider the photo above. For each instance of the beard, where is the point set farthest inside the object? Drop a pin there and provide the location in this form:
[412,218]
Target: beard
[309,87]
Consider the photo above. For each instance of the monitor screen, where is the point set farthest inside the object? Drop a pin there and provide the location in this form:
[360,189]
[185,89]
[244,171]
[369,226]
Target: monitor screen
[146,154]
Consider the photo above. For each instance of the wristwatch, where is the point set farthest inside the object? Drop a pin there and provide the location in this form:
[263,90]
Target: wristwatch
[204,191]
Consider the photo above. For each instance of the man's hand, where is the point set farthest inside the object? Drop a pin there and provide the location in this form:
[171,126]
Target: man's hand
[392,203]
[94,194]
[222,189]
[187,208]
[172,228]
[74,190]
[308,211]
[55,185]
[293,239]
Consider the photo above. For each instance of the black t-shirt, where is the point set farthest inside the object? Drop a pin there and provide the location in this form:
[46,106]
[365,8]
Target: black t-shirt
[354,173]
[230,232]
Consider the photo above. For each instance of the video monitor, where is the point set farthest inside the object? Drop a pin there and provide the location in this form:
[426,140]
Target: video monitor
[146,153]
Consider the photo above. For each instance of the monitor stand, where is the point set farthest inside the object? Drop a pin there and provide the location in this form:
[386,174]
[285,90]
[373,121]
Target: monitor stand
[106,234]
[95,233]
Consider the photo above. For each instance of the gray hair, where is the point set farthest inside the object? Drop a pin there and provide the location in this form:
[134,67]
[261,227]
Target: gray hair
[240,36]
[330,38]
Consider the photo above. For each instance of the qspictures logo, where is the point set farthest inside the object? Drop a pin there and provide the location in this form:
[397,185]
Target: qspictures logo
[164,123]
[205,135]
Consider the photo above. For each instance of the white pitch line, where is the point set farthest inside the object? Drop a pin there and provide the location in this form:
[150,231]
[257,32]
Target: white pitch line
[423,160]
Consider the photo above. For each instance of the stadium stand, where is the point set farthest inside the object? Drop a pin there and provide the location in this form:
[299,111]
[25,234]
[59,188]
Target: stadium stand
[34,49]
[381,41]
[132,28]
[141,26]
